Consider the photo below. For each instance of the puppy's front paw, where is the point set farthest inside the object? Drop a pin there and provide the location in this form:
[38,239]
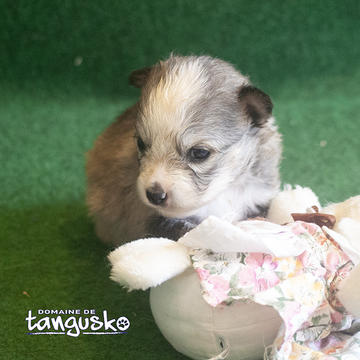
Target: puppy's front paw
[174,229]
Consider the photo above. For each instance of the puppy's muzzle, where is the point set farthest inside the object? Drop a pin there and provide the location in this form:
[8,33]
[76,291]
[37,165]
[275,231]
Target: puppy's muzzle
[156,195]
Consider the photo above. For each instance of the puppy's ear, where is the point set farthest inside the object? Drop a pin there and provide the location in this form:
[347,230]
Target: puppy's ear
[256,104]
[138,77]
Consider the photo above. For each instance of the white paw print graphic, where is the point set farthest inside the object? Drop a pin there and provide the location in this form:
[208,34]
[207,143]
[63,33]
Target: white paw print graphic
[123,323]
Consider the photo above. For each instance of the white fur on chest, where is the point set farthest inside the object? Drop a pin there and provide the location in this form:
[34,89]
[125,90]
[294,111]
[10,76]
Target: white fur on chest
[237,201]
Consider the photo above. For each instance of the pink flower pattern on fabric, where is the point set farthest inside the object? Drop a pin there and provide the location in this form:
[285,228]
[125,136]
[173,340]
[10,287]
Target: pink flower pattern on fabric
[259,272]
[302,289]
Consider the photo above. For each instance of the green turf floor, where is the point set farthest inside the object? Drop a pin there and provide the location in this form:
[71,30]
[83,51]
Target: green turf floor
[63,68]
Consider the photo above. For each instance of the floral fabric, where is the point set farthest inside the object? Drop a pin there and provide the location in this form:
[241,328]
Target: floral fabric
[302,289]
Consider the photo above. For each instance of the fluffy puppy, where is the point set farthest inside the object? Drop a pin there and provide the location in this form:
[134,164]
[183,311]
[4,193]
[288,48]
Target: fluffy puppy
[200,141]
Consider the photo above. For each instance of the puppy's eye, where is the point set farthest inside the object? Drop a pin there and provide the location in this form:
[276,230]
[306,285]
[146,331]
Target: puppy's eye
[141,145]
[199,154]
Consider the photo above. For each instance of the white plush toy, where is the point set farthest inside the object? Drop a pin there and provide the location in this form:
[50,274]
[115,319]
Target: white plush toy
[237,291]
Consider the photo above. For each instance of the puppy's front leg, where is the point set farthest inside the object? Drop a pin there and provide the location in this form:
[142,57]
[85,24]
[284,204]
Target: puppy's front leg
[174,229]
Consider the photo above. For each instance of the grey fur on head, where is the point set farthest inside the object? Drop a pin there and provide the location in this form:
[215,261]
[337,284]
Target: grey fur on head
[205,144]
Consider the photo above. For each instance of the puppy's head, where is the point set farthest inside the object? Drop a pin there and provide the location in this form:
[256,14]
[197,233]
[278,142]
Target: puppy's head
[197,131]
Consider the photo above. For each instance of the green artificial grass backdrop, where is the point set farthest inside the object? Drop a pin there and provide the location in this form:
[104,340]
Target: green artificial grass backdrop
[64,66]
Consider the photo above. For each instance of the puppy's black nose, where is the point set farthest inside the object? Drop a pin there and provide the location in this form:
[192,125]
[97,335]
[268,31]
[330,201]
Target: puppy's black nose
[156,195]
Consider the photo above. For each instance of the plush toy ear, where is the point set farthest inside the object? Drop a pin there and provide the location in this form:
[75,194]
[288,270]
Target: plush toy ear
[138,77]
[256,104]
